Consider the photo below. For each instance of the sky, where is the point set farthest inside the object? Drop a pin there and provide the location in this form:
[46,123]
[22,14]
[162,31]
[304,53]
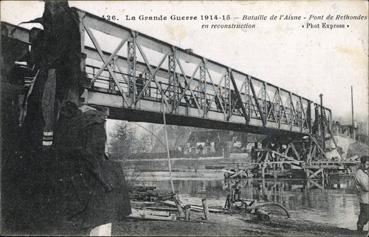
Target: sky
[305,61]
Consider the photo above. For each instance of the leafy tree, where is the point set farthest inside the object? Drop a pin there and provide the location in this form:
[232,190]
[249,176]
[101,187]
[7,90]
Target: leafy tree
[123,139]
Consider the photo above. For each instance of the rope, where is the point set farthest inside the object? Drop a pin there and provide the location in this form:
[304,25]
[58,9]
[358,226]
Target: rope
[167,145]
[147,130]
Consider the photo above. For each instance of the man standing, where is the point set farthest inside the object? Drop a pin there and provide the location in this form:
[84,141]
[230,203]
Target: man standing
[361,183]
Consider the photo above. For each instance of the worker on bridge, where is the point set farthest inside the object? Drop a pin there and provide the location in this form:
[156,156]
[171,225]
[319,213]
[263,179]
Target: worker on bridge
[361,183]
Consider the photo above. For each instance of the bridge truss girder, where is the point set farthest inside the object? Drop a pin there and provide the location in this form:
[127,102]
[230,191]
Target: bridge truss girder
[186,85]
[181,84]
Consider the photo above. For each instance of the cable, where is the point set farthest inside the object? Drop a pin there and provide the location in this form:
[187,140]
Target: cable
[165,145]
[161,142]
[166,139]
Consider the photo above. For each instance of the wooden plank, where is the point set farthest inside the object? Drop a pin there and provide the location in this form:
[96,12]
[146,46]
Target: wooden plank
[151,215]
[170,209]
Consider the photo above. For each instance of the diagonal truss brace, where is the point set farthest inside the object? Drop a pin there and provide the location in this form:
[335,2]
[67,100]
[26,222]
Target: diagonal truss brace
[153,77]
[247,117]
[263,120]
[110,69]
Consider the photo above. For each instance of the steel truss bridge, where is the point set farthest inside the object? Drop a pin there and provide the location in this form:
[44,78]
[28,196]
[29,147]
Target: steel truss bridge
[140,78]
[150,77]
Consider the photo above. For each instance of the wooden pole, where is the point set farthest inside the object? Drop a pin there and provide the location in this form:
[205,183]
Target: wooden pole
[263,170]
[322,122]
[179,207]
[352,113]
[187,212]
[205,208]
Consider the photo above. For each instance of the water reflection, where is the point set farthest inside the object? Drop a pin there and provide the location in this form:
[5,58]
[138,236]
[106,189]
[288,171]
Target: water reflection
[333,202]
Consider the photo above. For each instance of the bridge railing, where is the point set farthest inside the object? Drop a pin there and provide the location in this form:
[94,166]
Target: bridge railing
[105,83]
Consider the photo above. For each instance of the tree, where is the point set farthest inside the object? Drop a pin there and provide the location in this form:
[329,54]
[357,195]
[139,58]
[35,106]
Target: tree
[123,139]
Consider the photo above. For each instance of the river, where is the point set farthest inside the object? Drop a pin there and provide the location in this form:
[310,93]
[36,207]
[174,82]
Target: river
[334,203]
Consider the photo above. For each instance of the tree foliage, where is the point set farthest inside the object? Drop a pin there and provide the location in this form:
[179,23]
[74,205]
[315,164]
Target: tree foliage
[128,139]
[123,141]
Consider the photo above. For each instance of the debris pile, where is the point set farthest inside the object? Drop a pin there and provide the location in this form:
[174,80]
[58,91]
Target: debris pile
[142,193]
[169,207]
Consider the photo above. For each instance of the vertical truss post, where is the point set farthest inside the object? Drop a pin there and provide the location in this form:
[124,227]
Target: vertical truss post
[177,91]
[308,116]
[111,80]
[303,114]
[248,97]
[265,110]
[148,80]
[280,107]
[292,110]
[131,61]
[202,89]
[173,80]
[227,95]
[299,115]
[171,71]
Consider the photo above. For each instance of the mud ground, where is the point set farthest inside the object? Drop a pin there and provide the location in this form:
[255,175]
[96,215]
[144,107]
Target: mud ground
[229,225]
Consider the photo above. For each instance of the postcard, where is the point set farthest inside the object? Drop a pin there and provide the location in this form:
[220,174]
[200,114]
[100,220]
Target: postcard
[178,118]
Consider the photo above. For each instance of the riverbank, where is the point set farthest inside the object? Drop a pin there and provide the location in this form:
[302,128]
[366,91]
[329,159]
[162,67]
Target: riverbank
[229,225]
[224,223]
[335,205]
